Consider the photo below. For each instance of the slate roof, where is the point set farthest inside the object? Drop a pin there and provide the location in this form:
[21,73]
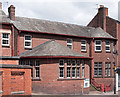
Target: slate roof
[38,25]
[51,48]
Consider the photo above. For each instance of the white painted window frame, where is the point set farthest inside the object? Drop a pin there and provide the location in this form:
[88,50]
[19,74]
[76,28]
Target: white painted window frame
[8,39]
[98,45]
[61,66]
[35,69]
[106,45]
[28,41]
[85,45]
[70,44]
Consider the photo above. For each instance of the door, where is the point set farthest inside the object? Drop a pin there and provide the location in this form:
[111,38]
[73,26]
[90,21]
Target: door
[17,83]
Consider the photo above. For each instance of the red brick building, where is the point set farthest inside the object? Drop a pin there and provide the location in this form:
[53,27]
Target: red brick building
[64,57]
[112,27]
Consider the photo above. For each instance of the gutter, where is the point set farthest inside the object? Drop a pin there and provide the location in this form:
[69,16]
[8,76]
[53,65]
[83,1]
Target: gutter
[66,35]
[25,57]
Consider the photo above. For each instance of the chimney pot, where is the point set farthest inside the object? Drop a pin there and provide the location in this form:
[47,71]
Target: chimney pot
[11,11]
[101,6]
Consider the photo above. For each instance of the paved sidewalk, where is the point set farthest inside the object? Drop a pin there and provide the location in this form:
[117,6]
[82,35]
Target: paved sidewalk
[102,93]
[90,93]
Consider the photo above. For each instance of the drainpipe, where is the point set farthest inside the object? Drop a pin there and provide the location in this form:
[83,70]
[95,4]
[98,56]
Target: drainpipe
[12,40]
[92,59]
[19,42]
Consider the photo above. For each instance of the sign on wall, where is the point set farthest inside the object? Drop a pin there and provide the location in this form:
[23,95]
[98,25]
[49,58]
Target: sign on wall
[86,83]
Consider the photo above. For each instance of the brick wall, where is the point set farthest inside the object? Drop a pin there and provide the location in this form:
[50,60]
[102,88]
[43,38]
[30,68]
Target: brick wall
[50,83]
[38,39]
[5,50]
[11,83]
[14,62]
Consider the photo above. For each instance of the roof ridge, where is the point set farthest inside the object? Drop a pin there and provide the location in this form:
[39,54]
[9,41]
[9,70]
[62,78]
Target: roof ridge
[53,21]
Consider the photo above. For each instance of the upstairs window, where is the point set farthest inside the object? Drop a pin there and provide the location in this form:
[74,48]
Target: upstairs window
[113,46]
[28,41]
[5,39]
[107,46]
[69,43]
[98,45]
[83,45]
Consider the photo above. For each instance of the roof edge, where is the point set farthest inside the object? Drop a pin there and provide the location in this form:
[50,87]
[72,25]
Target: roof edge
[82,57]
[65,34]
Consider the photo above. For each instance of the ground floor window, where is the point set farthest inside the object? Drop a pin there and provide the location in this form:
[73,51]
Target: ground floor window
[35,64]
[107,68]
[97,69]
[72,69]
[61,68]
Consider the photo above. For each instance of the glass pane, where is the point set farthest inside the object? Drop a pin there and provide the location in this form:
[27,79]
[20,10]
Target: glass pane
[5,42]
[100,71]
[69,40]
[98,47]
[105,72]
[37,63]
[27,43]
[107,48]
[78,63]
[83,47]
[5,35]
[68,63]
[27,37]
[109,65]
[109,72]
[83,42]
[107,42]
[37,71]
[100,65]
[98,42]
[68,72]
[78,72]
[95,71]
[61,63]
[73,63]
[61,72]
[106,65]
[95,65]
[73,72]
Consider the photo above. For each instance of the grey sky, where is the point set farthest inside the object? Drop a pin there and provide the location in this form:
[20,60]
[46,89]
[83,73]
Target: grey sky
[69,11]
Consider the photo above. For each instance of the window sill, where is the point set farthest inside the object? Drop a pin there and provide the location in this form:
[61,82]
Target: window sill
[98,76]
[5,45]
[28,48]
[98,51]
[36,79]
[84,51]
[108,51]
[109,76]
[63,79]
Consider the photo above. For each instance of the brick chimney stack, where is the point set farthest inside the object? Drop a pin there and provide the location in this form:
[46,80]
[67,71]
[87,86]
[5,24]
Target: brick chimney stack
[11,12]
[0,5]
[103,12]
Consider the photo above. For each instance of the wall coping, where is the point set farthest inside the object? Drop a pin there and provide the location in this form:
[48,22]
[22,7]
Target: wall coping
[15,66]
[10,57]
